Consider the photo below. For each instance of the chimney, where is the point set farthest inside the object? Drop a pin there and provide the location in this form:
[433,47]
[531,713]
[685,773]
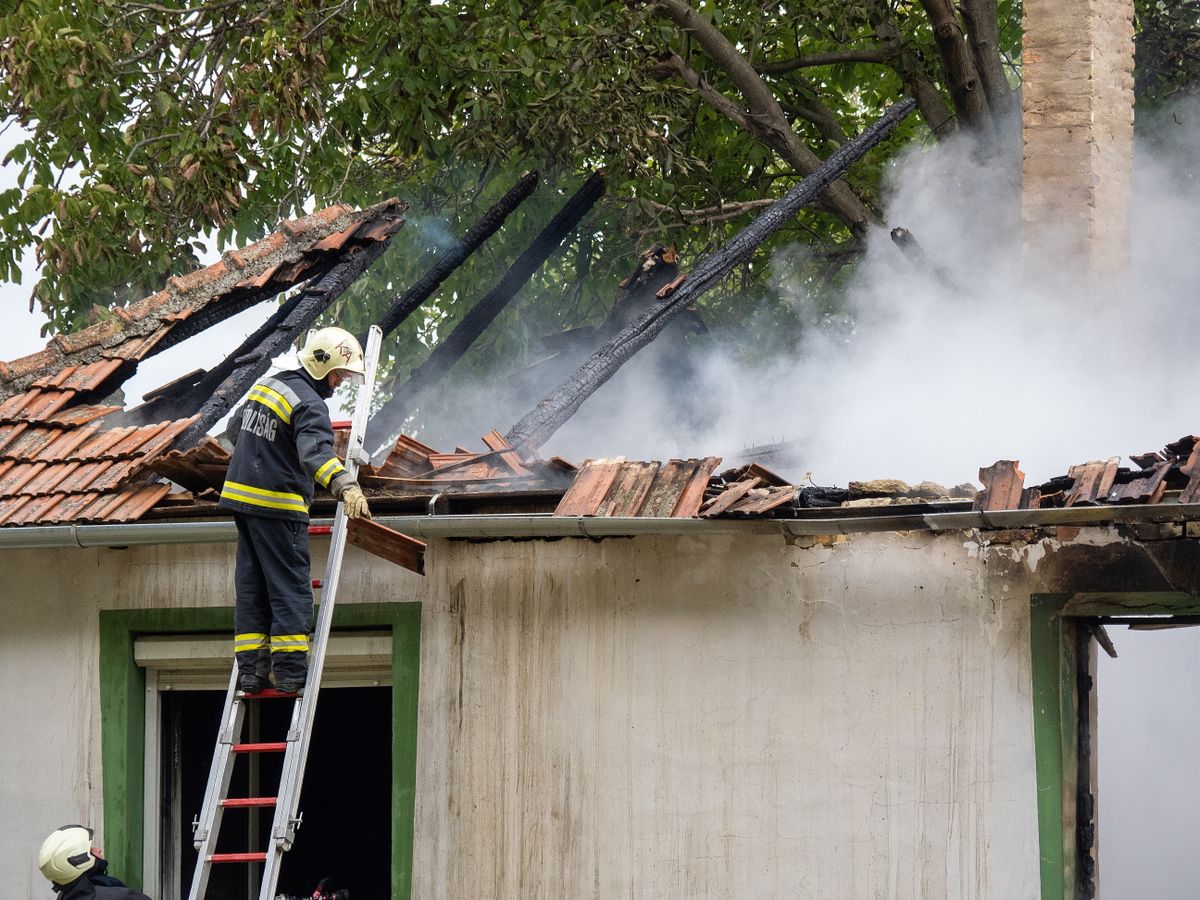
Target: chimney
[1077,126]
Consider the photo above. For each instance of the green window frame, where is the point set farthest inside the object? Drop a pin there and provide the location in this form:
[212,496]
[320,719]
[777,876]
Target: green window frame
[123,719]
[1054,623]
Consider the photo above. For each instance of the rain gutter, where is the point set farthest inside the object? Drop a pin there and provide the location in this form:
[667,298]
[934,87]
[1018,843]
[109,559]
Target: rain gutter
[547,526]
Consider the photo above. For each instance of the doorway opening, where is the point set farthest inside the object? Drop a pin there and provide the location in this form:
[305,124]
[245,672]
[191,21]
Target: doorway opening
[346,799]
[1146,741]
[1113,734]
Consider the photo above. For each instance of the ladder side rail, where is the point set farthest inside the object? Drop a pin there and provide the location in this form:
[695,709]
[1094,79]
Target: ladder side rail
[292,777]
[211,795]
[220,775]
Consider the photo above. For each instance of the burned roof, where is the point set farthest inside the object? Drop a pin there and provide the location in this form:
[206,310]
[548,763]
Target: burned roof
[60,460]
[68,456]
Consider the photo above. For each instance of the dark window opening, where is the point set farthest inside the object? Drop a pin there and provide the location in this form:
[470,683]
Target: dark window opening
[346,800]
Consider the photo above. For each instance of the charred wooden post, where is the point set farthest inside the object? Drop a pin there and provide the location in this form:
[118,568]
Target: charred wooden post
[548,416]
[656,268]
[246,369]
[915,253]
[407,396]
[453,257]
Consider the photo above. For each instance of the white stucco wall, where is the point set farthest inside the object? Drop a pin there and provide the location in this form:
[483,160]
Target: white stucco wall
[675,717]
[652,717]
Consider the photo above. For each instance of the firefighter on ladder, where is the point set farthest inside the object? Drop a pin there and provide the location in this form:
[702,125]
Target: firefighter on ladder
[283,447]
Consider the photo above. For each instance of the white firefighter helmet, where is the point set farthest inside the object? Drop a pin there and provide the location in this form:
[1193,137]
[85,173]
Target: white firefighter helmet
[66,854]
[329,349]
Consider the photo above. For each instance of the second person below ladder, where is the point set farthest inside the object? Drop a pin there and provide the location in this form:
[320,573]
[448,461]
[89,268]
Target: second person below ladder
[283,449]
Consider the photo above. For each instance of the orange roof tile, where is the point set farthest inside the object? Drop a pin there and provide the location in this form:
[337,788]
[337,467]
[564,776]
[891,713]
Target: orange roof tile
[58,461]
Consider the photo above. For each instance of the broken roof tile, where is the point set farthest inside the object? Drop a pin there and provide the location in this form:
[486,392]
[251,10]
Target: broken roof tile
[33,510]
[185,284]
[252,253]
[136,502]
[65,441]
[614,487]
[91,336]
[148,306]
[338,238]
[49,478]
[34,362]
[590,487]
[18,476]
[79,415]
[301,228]
[57,379]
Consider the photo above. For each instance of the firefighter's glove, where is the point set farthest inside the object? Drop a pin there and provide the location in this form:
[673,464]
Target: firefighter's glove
[355,503]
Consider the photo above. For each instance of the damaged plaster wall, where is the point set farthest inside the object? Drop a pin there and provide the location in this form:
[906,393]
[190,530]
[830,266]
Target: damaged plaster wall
[667,717]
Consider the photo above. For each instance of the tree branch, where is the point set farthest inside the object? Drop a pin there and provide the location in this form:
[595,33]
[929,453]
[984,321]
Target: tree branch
[832,58]
[765,117]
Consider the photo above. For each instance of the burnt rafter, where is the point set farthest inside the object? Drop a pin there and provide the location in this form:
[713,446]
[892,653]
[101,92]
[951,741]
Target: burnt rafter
[454,256]
[549,415]
[184,396]
[407,396]
[247,368]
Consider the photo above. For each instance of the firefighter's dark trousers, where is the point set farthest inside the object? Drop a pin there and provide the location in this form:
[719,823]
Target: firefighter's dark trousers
[274,597]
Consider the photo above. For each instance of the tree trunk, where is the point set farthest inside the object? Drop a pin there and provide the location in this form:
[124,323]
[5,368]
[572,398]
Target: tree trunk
[549,415]
[937,115]
[406,397]
[965,89]
[983,30]
[765,117]
[453,257]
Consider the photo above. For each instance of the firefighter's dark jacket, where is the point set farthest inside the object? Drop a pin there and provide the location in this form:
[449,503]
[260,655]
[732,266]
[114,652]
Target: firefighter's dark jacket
[283,447]
[83,889]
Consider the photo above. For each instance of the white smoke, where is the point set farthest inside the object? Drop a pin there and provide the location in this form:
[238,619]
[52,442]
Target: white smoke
[952,367]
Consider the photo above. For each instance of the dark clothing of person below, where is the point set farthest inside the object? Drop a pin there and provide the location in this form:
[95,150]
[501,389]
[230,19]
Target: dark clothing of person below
[98,875]
[83,889]
[274,597]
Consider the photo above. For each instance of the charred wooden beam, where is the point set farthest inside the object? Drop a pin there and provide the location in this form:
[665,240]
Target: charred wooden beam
[178,402]
[310,303]
[453,257]
[549,415]
[407,396]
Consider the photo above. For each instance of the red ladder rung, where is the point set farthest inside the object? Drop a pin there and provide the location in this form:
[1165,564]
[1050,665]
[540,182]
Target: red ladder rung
[274,747]
[316,583]
[320,529]
[270,694]
[237,857]
[242,802]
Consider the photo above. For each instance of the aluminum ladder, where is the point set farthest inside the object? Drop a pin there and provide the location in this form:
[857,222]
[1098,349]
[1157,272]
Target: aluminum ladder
[295,748]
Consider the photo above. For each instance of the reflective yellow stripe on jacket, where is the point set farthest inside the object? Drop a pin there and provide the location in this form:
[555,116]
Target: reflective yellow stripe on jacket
[329,469]
[272,400]
[245,493]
